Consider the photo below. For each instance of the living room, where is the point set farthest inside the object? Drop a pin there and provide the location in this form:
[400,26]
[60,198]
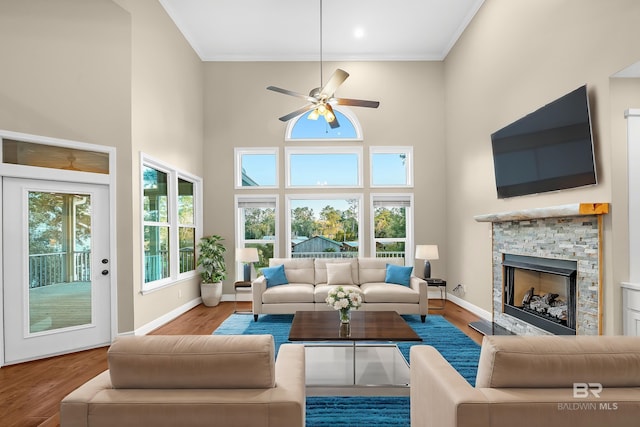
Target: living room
[120,74]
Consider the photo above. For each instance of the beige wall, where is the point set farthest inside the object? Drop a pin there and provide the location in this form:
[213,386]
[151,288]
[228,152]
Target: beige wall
[240,112]
[66,73]
[515,57]
[115,73]
[167,124]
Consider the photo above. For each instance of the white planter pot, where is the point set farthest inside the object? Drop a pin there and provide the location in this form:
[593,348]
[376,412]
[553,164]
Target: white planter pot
[211,293]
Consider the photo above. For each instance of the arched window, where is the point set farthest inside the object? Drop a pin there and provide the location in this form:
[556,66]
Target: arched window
[303,129]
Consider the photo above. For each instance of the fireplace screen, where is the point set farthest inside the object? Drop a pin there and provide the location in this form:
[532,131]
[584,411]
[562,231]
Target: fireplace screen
[541,292]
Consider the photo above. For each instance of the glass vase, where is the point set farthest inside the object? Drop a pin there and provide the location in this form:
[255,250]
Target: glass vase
[345,315]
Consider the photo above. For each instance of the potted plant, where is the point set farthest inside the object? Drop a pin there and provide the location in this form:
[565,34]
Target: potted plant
[213,269]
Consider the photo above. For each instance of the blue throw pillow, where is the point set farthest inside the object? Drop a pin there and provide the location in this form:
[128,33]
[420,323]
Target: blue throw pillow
[398,275]
[275,276]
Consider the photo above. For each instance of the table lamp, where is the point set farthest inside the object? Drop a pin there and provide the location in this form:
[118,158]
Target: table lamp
[427,252]
[247,256]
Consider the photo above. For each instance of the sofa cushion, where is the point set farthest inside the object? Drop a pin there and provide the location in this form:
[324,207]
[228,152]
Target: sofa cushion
[322,291]
[321,268]
[374,270]
[196,361]
[275,276]
[398,274]
[298,270]
[339,274]
[291,293]
[558,361]
[389,293]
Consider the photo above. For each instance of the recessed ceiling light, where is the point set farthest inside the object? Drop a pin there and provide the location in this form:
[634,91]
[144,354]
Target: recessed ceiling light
[358,32]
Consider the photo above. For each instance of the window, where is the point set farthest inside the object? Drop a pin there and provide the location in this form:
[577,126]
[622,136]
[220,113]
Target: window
[171,223]
[324,226]
[391,166]
[186,226]
[304,129]
[392,224]
[257,227]
[256,167]
[328,167]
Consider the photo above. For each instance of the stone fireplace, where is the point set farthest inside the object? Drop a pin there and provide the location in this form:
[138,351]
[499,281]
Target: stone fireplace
[546,269]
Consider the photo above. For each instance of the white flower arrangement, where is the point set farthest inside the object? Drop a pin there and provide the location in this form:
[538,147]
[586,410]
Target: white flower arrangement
[340,298]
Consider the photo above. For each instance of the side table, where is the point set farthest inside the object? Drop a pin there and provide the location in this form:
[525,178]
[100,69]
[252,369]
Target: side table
[241,287]
[442,285]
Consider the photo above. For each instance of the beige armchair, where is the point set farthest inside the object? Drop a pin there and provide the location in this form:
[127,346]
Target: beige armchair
[550,381]
[193,381]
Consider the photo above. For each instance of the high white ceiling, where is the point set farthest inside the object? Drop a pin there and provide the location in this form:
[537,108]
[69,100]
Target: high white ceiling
[353,30]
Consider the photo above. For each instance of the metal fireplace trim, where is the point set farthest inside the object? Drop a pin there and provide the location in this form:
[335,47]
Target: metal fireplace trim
[561,267]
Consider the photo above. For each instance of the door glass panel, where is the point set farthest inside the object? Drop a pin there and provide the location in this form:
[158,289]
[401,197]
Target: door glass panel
[59,260]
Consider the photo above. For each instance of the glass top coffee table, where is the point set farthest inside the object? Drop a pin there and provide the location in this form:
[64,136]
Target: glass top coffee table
[355,359]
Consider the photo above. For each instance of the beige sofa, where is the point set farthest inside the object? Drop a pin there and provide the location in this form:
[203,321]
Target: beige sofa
[205,380]
[310,282]
[550,381]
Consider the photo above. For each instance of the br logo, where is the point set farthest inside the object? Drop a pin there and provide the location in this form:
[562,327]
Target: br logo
[582,390]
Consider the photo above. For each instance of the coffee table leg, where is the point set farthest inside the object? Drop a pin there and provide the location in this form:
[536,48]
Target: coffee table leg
[354,362]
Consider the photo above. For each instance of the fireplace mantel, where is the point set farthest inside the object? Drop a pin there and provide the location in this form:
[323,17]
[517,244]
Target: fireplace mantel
[576,209]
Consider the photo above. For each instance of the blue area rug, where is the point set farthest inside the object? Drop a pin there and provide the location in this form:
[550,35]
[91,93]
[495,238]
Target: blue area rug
[459,350]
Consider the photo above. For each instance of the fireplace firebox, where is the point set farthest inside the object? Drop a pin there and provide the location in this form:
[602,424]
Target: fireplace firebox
[541,292]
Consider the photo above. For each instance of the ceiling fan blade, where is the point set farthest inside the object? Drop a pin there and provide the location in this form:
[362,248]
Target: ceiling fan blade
[291,93]
[336,79]
[297,112]
[333,123]
[357,102]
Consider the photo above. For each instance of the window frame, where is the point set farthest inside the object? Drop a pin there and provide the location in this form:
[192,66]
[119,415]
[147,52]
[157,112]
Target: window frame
[241,151]
[407,150]
[173,222]
[241,242]
[322,196]
[289,151]
[409,230]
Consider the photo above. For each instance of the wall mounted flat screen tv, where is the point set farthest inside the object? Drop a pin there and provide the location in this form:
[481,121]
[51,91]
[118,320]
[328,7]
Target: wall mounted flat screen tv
[547,150]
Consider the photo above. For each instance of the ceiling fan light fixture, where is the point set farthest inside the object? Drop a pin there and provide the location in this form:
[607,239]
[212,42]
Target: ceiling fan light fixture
[319,98]
[313,115]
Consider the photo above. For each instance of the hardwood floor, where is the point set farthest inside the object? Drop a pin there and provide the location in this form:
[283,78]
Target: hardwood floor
[30,393]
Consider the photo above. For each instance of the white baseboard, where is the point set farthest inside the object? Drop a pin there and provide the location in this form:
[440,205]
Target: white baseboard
[155,324]
[472,308]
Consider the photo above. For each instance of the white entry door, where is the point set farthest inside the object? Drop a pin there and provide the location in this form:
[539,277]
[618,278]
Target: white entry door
[56,268]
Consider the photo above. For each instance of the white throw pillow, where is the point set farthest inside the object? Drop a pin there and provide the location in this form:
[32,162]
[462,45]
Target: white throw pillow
[339,274]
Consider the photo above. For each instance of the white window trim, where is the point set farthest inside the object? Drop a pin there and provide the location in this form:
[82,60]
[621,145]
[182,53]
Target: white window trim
[239,226]
[322,196]
[239,152]
[344,110]
[289,151]
[172,198]
[407,150]
[409,239]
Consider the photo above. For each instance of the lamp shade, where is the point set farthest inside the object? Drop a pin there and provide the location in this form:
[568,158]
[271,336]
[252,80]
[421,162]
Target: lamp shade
[429,252]
[247,255]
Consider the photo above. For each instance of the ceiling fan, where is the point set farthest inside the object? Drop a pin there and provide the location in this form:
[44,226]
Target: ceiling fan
[320,99]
